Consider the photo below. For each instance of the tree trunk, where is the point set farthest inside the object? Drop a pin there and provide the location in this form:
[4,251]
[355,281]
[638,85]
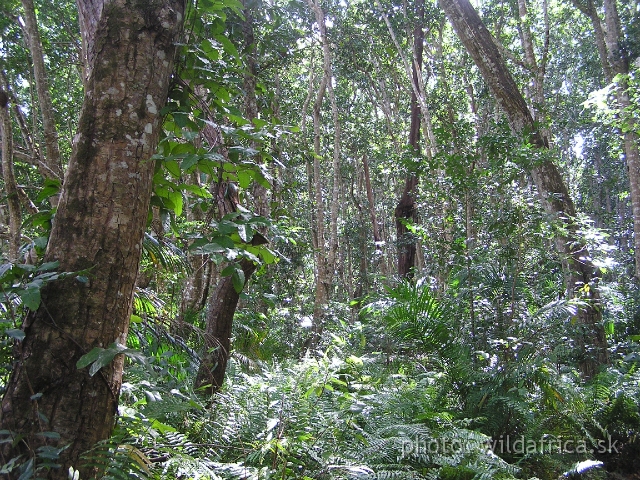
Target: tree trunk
[551,187]
[222,307]
[614,59]
[223,302]
[406,210]
[325,255]
[10,185]
[52,164]
[618,62]
[377,238]
[98,227]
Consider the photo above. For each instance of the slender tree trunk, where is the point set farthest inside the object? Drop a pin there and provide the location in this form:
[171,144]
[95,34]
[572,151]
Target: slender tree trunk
[10,185]
[406,210]
[223,302]
[377,239]
[552,190]
[99,227]
[614,59]
[325,255]
[618,62]
[52,160]
[589,10]
[222,307]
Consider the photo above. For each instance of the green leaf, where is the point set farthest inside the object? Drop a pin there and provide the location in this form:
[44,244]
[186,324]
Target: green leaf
[197,190]
[176,199]
[89,358]
[48,266]
[173,168]
[189,161]
[51,187]
[228,270]
[30,298]
[244,178]
[228,47]
[242,232]
[15,333]
[104,358]
[238,279]
[609,328]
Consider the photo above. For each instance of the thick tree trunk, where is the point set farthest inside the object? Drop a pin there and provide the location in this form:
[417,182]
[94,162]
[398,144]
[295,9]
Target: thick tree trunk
[406,210]
[10,185]
[52,163]
[551,187]
[98,227]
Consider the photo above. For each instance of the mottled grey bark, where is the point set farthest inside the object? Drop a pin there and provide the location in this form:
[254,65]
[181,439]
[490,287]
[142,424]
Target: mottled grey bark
[99,226]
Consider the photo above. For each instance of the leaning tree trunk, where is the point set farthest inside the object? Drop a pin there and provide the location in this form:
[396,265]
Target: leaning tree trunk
[222,307]
[552,190]
[98,228]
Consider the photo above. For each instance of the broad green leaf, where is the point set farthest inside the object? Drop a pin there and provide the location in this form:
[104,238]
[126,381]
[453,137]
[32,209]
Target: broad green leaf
[48,266]
[89,358]
[173,168]
[244,178]
[105,358]
[228,47]
[30,298]
[228,270]
[176,199]
[51,187]
[189,161]
[197,190]
[242,232]
[238,279]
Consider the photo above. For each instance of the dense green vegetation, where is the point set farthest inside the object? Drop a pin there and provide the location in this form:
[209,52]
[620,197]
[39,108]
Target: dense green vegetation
[468,368]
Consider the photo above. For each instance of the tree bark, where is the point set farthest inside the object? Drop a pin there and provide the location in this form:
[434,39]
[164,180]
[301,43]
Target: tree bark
[10,185]
[406,210]
[222,307]
[52,163]
[98,227]
[325,255]
[377,238]
[618,62]
[552,190]
[223,302]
